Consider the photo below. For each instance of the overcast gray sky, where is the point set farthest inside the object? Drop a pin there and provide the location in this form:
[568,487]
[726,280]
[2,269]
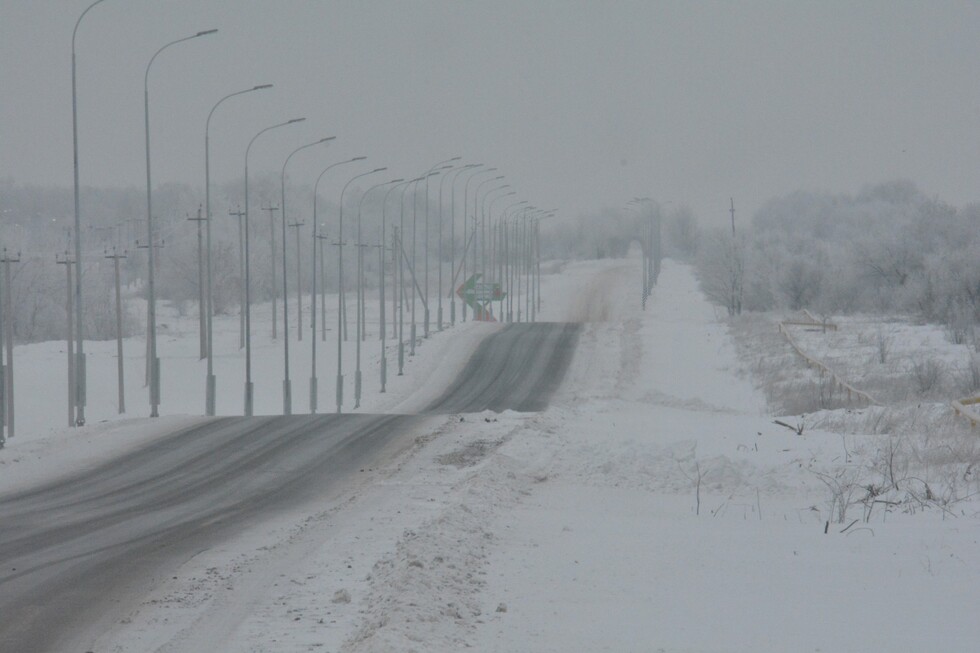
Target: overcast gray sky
[581,104]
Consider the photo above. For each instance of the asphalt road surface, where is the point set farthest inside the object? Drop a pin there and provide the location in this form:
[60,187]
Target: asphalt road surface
[72,550]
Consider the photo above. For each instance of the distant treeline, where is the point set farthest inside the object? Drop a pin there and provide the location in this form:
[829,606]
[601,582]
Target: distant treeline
[889,249]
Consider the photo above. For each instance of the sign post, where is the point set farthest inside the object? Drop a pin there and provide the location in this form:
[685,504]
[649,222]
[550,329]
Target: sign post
[479,296]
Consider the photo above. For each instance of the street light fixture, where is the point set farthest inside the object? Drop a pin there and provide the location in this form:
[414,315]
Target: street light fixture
[153,362]
[313,377]
[211,382]
[340,285]
[78,383]
[248,290]
[287,392]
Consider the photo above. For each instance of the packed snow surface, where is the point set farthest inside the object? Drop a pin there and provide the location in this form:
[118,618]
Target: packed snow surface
[654,506]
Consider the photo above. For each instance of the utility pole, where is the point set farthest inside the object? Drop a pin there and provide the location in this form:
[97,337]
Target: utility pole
[152,360]
[732,211]
[3,376]
[400,291]
[7,259]
[342,299]
[381,316]
[119,335]
[317,244]
[320,238]
[411,263]
[241,278]
[394,283]
[69,336]
[536,283]
[363,292]
[299,286]
[527,271]
[201,308]
[272,242]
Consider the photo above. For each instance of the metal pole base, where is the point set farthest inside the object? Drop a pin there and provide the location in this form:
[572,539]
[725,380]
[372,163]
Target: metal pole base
[411,351]
[340,392]
[401,358]
[248,398]
[209,403]
[426,323]
[384,373]
[439,319]
[287,397]
[313,392]
[357,389]
[452,313]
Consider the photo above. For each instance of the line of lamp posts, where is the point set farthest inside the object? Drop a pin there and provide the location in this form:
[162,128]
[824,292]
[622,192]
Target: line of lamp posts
[509,255]
[77,367]
[505,249]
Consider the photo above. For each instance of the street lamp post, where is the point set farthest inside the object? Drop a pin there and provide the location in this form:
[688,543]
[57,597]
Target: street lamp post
[478,238]
[452,241]
[287,392]
[397,183]
[487,226]
[413,267]
[316,238]
[248,296]
[211,382]
[154,363]
[79,369]
[485,215]
[360,291]
[466,193]
[504,258]
[442,181]
[441,166]
[340,284]
[519,253]
[400,254]
[472,240]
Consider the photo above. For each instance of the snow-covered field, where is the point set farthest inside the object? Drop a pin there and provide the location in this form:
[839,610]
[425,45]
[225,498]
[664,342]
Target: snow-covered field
[653,507]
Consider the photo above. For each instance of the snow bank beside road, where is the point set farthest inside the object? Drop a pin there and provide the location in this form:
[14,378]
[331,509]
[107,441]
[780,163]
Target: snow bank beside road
[653,506]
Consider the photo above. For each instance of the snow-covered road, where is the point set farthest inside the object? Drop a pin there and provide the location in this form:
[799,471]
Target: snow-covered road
[653,506]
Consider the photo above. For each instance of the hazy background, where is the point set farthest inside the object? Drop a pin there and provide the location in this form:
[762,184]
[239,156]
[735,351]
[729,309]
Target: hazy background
[581,104]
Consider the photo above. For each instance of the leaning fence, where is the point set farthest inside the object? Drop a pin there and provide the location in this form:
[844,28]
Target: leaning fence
[810,321]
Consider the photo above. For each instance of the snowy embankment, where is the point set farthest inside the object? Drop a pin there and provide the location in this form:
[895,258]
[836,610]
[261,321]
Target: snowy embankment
[653,506]
[44,448]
